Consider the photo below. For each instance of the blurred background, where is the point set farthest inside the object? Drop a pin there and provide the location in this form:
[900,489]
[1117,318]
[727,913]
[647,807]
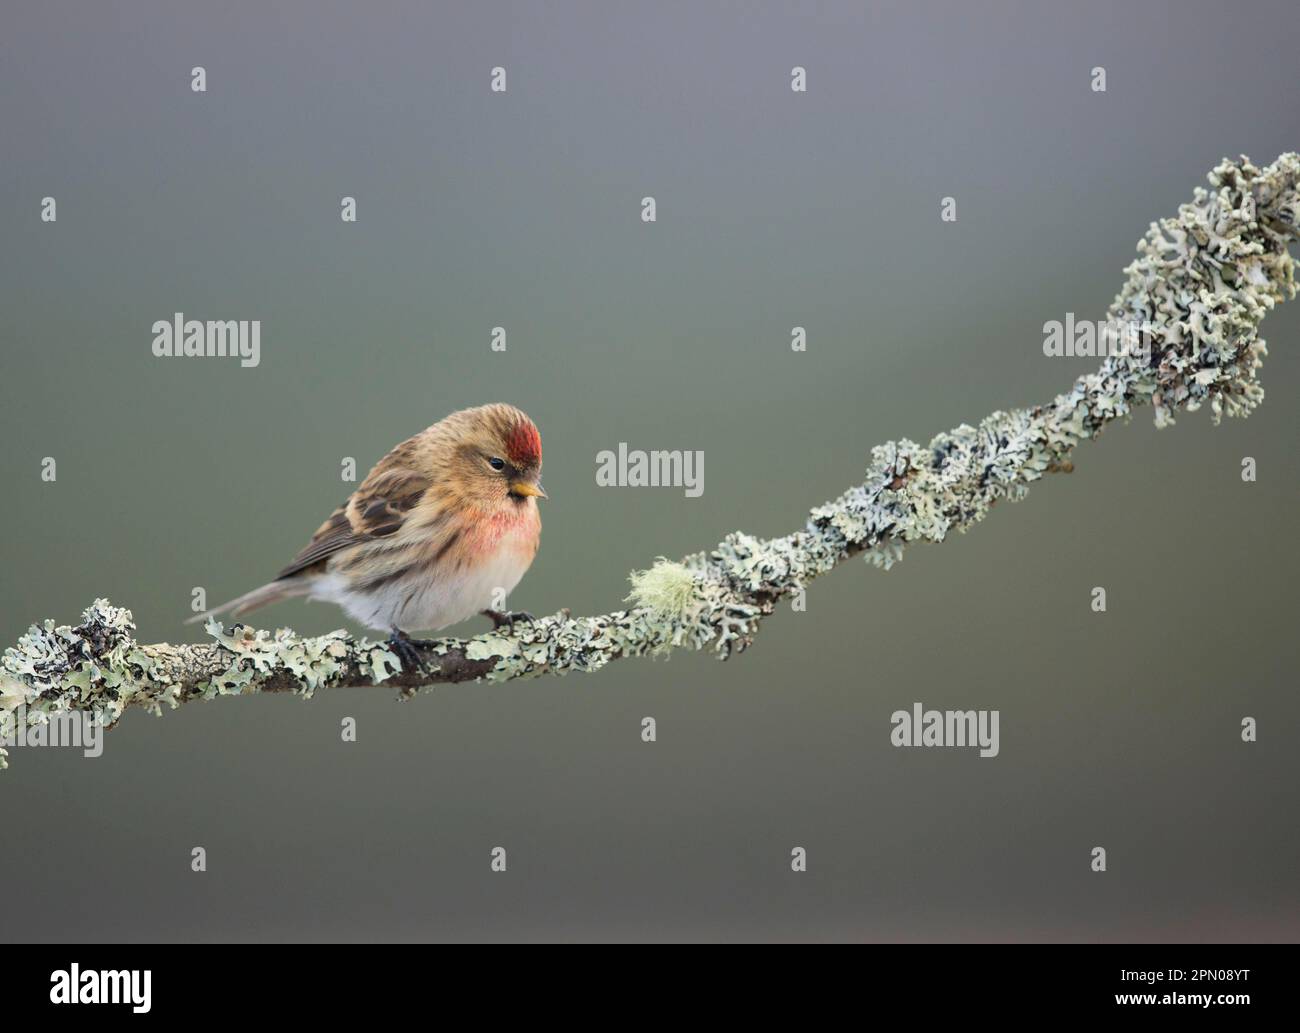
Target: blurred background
[775,209]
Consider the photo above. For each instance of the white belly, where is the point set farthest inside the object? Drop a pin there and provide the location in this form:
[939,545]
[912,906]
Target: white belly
[429,603]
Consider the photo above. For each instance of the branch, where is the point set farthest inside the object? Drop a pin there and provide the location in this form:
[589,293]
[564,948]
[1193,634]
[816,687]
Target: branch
[1200,287]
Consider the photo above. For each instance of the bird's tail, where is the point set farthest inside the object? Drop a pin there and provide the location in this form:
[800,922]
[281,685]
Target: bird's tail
[272,592]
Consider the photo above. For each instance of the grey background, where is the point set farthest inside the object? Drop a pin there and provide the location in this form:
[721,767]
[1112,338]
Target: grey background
[775,209]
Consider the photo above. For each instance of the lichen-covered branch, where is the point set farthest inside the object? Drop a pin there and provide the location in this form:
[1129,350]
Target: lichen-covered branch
[1201,285]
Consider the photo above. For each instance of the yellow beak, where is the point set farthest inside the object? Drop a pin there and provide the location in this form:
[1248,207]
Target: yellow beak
[527,489]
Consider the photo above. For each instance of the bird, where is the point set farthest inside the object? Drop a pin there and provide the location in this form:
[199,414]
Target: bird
[441,528]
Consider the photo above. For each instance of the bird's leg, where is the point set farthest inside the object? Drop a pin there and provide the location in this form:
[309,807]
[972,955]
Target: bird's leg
[508,617]
[404,646]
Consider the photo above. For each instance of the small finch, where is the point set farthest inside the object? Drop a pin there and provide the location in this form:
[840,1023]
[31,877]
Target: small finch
[442,526]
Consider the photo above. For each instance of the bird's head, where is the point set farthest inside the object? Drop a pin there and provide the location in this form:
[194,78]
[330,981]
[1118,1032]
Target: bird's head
[497,457]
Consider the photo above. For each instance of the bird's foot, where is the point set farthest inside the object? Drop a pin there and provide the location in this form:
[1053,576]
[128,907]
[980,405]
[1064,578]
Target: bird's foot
[507,617]
[405,647]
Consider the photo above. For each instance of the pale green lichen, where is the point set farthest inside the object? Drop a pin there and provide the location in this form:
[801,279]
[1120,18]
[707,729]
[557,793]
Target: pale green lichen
[1201,285]
[97,667]
[383,664]
[667,589]
[13,694]
[314,662]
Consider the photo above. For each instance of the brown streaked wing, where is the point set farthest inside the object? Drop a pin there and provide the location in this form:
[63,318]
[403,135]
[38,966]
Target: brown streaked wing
[377,509]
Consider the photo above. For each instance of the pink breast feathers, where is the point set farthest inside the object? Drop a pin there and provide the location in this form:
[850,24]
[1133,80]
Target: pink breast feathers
[516,528]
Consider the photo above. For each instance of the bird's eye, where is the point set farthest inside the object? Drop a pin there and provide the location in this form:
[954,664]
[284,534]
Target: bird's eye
[497,464]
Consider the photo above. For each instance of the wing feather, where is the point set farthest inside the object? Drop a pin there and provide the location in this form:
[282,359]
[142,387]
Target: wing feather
[377,509]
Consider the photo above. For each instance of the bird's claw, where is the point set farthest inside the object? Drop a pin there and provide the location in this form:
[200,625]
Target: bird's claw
[405,647]
[507,617]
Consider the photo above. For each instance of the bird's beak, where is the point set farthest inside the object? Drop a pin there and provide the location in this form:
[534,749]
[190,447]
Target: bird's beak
[527,489]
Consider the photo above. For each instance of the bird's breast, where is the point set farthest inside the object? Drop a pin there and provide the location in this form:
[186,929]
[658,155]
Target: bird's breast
[515,529]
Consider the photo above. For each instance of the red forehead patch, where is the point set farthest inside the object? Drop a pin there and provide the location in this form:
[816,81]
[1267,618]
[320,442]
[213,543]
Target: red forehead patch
[524,444]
